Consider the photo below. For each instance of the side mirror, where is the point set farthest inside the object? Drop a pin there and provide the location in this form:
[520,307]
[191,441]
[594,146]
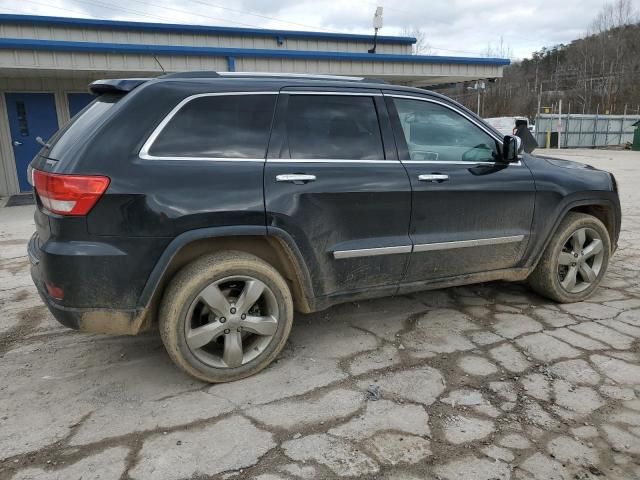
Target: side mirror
[511,146]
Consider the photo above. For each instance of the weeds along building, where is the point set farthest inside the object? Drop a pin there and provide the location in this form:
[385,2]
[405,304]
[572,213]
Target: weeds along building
[46,64]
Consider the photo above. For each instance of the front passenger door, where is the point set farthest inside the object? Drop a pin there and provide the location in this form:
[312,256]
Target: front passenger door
[470,212]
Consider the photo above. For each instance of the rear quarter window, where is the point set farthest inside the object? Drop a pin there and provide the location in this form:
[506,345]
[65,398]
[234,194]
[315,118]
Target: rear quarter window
[217,126]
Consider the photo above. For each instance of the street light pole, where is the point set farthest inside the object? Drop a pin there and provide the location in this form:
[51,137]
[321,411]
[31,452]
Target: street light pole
[478,87]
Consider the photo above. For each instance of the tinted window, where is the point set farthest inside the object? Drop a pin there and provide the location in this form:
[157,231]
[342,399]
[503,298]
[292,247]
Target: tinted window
[232,126]
[435,132]
[333,127]
[84,124]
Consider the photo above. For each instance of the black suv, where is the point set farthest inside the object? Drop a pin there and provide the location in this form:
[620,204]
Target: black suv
[219,203]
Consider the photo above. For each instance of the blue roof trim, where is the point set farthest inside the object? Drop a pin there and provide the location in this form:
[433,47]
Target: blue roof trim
[173,27]
[63,46]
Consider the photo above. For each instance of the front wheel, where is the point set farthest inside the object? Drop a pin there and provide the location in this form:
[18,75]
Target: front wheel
[575,261]
[226,316]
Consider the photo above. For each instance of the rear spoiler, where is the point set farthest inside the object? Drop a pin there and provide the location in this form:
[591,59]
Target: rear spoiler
[116,85]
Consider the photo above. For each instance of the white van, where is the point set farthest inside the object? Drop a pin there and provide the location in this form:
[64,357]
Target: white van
[507,125]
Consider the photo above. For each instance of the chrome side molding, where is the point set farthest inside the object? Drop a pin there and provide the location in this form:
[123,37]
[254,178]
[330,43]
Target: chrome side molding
[370,252]
[426,247]
[480,242]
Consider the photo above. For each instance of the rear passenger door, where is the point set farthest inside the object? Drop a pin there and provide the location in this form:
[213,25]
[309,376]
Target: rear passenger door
[333,182]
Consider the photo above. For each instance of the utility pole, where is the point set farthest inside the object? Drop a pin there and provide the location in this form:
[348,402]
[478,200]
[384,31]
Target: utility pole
[559,123]
[478,87]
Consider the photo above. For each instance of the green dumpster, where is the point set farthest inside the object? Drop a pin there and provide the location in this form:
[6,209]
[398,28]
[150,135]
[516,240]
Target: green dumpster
[636,137]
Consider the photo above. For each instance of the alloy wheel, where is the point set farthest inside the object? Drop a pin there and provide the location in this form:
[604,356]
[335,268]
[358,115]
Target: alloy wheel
[580,260]
[231,321]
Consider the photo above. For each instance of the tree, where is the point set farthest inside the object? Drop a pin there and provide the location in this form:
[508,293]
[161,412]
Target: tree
[421,47]
[598,72]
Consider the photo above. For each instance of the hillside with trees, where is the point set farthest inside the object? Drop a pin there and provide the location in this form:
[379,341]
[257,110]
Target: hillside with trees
[598,73]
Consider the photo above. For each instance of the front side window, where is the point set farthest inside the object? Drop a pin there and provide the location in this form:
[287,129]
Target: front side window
[220,126]
[436,133]
[333,127]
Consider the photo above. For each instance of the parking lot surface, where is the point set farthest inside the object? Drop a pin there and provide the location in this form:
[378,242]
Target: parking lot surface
[479,382]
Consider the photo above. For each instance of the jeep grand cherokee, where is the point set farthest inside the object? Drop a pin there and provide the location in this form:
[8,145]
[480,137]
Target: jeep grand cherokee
[221,203]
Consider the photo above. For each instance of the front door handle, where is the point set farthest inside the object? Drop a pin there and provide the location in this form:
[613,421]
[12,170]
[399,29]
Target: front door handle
[433,177]
[297,178]
[16,143]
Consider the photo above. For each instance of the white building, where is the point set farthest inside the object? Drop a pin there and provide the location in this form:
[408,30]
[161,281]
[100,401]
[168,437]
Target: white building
[46,64]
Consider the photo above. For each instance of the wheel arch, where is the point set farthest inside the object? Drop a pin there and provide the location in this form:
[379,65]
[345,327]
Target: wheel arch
[275,249]
[601,208]
[604,213]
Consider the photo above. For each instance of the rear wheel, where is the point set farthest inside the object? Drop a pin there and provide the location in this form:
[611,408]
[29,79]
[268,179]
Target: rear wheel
[575,261]
[226,316]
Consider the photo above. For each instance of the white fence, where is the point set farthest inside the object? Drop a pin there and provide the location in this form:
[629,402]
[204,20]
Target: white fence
[576,131]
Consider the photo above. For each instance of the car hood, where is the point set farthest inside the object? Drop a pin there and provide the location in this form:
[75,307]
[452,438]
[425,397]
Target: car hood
[566,163]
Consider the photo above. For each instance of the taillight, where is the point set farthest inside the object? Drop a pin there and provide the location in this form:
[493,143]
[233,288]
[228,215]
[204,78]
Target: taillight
[54,292]
[69,194]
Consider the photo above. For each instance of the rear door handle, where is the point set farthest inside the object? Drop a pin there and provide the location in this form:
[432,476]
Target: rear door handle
[297,178]
[433,177]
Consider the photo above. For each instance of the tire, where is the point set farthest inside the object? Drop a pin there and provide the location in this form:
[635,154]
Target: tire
[547,278]
[183,311]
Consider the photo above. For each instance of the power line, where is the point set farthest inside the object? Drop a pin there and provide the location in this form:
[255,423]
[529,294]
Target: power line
[164,7]
[84,14]
[246,12]
[441,22]
[187,12]
[136,12]
[13,10]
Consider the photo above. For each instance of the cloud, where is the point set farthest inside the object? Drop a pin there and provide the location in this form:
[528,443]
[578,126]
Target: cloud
[462,27]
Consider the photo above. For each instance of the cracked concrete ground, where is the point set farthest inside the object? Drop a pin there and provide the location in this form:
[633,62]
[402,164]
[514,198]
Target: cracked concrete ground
[480,382]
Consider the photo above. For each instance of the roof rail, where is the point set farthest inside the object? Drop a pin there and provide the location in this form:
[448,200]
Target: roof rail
[196,74]
[310,76]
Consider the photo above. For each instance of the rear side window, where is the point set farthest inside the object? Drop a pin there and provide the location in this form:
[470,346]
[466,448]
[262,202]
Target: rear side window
[220,126]
[333,127]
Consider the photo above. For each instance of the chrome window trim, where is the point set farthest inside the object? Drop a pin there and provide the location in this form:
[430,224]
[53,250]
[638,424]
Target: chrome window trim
[327,160]
[480,242]
[145,155]
[144,151]
[460,162]
[371,252]
[203,159]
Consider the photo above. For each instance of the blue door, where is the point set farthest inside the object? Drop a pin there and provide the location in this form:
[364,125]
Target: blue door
[31,115]
[77,101]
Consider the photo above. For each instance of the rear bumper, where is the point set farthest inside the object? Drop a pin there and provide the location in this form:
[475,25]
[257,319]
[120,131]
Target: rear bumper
[93,320]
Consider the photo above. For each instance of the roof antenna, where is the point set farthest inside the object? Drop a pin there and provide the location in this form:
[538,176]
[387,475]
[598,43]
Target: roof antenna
[377,25]
[158,62]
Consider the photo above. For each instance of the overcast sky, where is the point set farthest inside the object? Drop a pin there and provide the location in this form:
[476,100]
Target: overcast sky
[451,27]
